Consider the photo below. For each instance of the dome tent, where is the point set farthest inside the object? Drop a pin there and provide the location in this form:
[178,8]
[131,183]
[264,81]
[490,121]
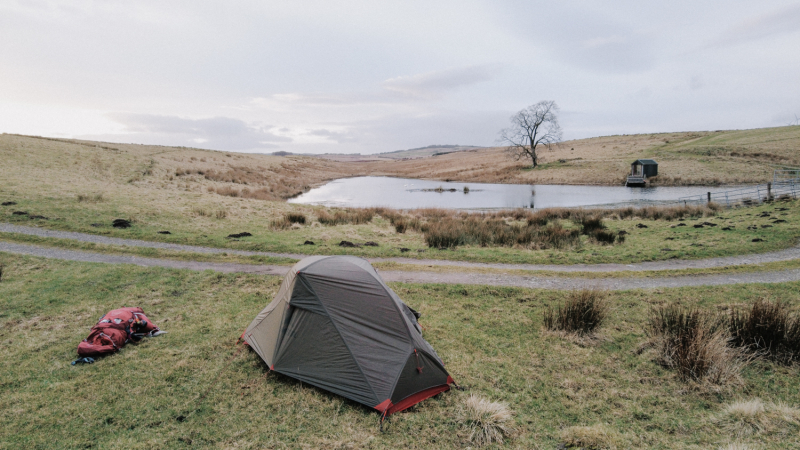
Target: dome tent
[336,325]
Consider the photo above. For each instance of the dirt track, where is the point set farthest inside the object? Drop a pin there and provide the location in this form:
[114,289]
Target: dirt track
[675,264]
[429,277]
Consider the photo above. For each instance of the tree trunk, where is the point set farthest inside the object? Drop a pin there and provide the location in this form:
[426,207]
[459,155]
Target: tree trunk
[534,158]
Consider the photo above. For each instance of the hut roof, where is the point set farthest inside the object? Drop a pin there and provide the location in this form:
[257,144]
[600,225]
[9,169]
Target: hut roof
[646,162]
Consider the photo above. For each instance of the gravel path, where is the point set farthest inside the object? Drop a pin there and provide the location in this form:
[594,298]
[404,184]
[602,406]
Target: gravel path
[759,258]
[423,277]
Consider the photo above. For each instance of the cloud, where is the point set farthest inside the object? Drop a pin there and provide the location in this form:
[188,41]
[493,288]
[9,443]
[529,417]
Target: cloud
[433,84]
[223,133]
[782,21]
[339,137]
[611,52]
[402,89]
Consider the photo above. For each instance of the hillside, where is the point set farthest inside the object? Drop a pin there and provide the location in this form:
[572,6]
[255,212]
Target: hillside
[685,158]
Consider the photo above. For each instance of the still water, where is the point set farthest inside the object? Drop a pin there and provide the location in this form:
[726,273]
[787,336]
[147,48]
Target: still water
[406,193]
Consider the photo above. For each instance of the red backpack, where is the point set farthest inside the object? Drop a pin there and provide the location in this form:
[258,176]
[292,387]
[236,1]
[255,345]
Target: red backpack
[115,329]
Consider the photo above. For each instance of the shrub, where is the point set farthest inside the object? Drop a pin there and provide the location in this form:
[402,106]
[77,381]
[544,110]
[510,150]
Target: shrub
[221,214]
[695,344]
[767,329]
[583,313]
[486,421]
[400,225]
[1,272]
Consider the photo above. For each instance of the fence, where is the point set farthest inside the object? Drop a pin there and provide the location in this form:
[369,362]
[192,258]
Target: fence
[747,196]
[783,176]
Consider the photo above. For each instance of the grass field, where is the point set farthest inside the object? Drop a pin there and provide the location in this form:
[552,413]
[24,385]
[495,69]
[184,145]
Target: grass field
[661,240]
[194,387]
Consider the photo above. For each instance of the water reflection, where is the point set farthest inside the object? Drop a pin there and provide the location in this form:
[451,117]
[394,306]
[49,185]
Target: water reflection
[405,193]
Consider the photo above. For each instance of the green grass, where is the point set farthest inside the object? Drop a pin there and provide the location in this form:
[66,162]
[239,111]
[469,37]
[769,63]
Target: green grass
[147,252]
[661,240]
[386,265]
[193,387]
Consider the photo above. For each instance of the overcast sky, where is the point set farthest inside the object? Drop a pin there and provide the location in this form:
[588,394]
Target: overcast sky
[376,76]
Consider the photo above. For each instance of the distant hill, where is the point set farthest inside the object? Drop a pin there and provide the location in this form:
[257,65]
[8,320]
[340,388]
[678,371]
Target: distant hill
[412,153]
[431,150]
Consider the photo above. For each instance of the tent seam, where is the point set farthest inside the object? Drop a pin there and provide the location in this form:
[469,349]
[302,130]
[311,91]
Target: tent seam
[333,322]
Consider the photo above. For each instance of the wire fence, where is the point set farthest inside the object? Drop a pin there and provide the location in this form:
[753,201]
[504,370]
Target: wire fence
[751,195]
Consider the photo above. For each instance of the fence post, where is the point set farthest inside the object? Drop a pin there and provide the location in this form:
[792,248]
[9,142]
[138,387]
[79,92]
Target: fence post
[709,197]
[769,191]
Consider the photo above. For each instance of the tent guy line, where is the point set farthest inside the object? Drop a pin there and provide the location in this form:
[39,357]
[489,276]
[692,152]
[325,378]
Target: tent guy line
[788,254]
[780,276]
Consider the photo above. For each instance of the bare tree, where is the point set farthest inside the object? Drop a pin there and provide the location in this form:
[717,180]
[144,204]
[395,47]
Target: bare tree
[533,126]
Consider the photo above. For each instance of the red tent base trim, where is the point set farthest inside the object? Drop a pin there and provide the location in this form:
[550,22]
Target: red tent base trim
[391,408]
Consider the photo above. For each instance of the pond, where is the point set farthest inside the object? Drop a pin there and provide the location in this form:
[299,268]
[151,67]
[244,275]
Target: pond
[407,193]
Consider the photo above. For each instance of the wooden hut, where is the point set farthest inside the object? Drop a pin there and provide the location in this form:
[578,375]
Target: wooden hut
[641,169]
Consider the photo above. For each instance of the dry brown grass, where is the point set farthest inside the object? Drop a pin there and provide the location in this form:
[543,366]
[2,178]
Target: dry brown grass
[82,168]
[288,220]
[752,417]
[583,313]
[354,216]
[767,329]
[736,446]
[486,422]
[685,159]
[596,437]
[695,344]
[90,198]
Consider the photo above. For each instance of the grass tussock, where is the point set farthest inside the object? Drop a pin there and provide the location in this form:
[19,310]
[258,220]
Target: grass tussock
[767,329]
[486,421]
[753,417]
[520,227]
[356,216]
[288,220]
[257,194]
[695,344]
[583,313]
[295,218]
[487,231]
[203,212]
[668,213]
[736,446]
[595,437]
[90,198]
